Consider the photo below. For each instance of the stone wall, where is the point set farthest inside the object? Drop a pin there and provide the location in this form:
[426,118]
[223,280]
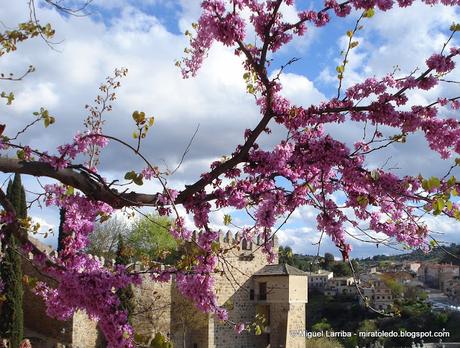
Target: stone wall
[233,288]
[234,292]
[160,308]
[298,289]
[188,325]
[152,311]
[44,331]
[296,321]
[84,332]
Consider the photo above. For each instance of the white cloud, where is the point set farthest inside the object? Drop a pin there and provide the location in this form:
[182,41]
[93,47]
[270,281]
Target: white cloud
[67,78]
[299,90]
[29,98]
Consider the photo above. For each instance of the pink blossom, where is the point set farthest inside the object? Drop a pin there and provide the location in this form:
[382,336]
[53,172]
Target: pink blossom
[440,63]
[239,328]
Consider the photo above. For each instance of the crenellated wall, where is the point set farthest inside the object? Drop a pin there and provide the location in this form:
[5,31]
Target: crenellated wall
[160,308]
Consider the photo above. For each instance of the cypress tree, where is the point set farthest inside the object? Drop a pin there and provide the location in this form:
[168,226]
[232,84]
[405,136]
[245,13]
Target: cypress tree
[126,295]
[11,316]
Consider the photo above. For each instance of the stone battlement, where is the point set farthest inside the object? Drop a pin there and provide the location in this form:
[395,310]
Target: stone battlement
[244,246]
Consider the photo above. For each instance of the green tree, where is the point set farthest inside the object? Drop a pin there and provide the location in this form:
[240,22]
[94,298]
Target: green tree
[159,341]
[12,316]
[286,255]
[329,261]
[355,265]
[396,287]
[17,196]
[414,293]
[146,239]
[341,269]
[150,239]
[322,325]
[367,326]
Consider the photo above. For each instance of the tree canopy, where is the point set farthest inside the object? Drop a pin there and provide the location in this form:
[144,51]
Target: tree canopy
[307,167]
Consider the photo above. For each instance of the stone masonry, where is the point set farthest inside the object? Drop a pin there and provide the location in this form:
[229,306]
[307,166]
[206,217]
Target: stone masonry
[247,286]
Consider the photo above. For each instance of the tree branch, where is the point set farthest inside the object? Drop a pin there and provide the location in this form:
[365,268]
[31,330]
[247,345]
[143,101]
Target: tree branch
[79,180]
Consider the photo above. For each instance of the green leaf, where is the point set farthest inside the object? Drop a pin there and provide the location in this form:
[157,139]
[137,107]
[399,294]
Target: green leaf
[457,214]
[425,185]
[439,205]
[70,191]
[258,330]
[362,201]
[130,175]
[9,98]
[434,182]
[215,246]
[138,180]
[227,219]
[138,116]
[455,27]
[340,69]
[369,13]
[20,154]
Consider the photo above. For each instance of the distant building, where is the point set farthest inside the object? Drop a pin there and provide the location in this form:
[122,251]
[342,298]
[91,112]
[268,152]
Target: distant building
[436,275]
[412,266]
[318,280]
[383,299]
[338,286]
[376,294]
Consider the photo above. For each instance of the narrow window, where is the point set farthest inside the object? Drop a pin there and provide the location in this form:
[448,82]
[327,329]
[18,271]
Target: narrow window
[245,245]
[263,291]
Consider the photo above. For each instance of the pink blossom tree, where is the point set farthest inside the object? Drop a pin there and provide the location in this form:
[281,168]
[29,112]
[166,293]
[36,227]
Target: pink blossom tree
[315,165]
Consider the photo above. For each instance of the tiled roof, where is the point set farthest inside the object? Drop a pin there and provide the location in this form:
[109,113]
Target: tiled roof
[279,269]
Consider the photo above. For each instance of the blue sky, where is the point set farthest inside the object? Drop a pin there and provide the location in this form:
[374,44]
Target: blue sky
[147,37]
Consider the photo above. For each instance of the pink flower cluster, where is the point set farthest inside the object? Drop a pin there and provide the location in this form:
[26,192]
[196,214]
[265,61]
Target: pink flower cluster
[308,168]
[85,284]
[80,215]
[68,152]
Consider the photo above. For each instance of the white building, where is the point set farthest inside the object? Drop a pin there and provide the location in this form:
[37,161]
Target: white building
[319,279]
